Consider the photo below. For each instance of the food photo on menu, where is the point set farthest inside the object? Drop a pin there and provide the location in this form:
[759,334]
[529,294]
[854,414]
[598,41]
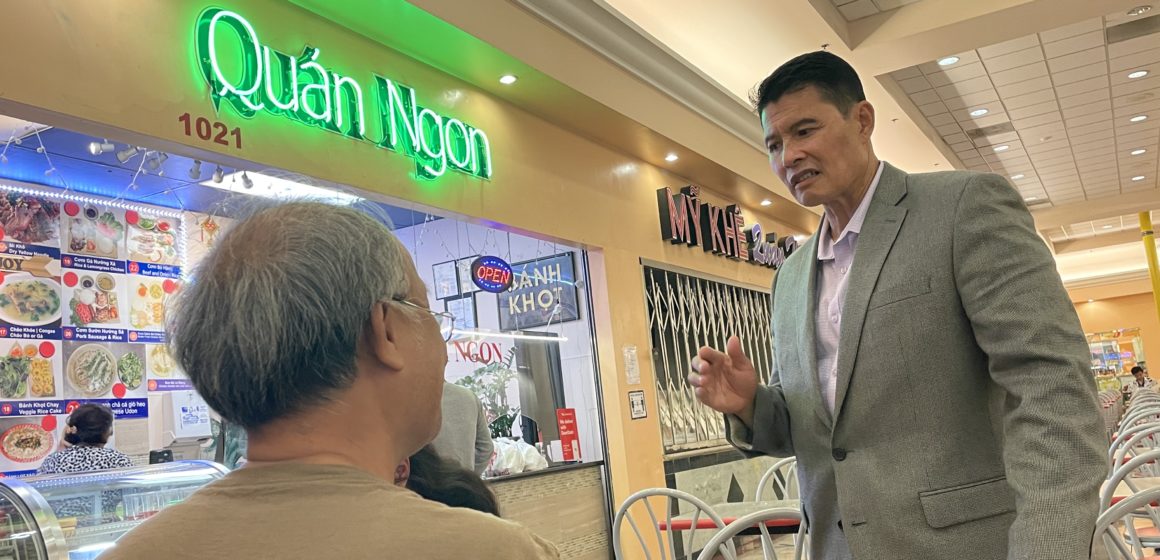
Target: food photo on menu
[29,369]
[29,219]
[148,298]
[101,370]
[30,301]
[25,442]
[94,298]
[99,232]
[160,364]
[152,239]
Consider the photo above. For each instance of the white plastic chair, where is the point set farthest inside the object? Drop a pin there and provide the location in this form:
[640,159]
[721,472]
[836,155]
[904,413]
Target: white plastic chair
[670,497]
[1141,439]
[783,474]
[1109,531]
[1148,537]
[722,542]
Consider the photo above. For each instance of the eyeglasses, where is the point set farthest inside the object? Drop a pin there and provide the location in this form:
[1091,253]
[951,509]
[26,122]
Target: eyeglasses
[446,320]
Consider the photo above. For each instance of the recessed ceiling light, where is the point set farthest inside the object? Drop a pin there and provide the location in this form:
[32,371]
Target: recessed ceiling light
[1031,198]
[672,157]
[1139,118]
[948,60]
[1139,151]
[1139,178]
[1140,10]
[1091,301]
[1107,227]
[1017,176]
[1137,74]
[979,112]
[766,202]
[1002,148]
[508,79]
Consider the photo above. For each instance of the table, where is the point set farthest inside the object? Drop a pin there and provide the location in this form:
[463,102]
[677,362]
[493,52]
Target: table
[729,513]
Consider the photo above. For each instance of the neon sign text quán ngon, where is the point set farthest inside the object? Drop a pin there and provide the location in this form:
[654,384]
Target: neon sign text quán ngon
[251,77]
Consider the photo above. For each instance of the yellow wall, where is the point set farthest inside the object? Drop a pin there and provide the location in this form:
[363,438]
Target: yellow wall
[126,71]
[1125,312]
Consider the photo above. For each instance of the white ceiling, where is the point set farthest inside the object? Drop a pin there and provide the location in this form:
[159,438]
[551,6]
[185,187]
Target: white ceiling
[1082,230]
[857,9]
[1061,101]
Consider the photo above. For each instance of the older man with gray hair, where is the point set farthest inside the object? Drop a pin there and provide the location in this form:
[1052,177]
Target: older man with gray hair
[308,325]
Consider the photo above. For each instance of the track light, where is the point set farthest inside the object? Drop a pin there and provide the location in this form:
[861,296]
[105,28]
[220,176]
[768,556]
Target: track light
[98,148]
[246,181]
[195,171]
[158,159]
[127,154]
[218,174]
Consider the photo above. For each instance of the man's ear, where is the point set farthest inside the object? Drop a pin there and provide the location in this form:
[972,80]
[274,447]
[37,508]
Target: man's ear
[382,340]
[865,114]
[403,472]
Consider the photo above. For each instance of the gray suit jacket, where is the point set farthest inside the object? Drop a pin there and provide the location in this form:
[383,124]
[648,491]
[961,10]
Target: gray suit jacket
[464,436]
[966,424]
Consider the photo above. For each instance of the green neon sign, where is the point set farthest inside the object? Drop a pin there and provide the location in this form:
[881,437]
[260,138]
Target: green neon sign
[251,77]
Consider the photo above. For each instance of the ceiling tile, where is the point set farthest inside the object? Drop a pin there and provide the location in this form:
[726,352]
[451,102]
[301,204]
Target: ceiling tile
[1032,110]
[1033,134]
[1083,86]
[962,147]
[906,73]
[1085,98]
[1009,46]
[932,67]
[1025,87]
[1009,138]
[958,73]
[1020,74]
[1141,137]
[1075,60]
[970,123]
[932,109]
[1040,147]
[1089,128]
[949,129]
[1053,154]
[1125,87]
[914,85]
[858,9]
[1105,136]
[1125,111]
[942,119]
[1132,46]
[956,138]
[985,99]
[1082,73]
[1091,118]
[1074,44]
[1038,120]
[1095,107]
[1014,60]
[959,89]
[1041,96]
[1135,60]
[925,97]
[885,5]
[1084,27]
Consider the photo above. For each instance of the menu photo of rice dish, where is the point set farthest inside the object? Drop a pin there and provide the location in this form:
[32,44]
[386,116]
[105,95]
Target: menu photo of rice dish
[95,299]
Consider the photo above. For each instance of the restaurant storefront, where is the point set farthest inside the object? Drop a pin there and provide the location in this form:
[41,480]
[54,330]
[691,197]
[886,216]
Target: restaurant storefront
[172,112]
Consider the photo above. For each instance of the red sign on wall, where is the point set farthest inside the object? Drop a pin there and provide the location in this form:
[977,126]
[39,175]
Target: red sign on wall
[569,439]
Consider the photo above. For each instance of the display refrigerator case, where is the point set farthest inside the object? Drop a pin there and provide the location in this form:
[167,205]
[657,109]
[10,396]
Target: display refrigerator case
[77,516]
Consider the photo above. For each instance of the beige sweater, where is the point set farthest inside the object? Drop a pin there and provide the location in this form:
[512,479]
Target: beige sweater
[321,512]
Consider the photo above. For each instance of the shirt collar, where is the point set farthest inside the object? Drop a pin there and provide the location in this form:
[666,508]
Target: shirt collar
[825,243]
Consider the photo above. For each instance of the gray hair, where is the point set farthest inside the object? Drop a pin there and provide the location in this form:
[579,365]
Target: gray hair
[271,322]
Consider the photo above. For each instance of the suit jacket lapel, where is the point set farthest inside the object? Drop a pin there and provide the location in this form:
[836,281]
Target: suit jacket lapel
[806,282]
[883,220]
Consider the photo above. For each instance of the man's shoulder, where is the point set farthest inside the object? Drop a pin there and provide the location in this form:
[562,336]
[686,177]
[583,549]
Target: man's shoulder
[942,181]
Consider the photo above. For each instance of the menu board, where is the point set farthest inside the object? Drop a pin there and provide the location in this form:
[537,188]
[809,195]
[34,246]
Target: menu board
[84,285]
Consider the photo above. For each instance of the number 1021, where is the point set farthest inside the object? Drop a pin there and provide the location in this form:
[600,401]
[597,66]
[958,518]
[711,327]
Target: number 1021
[214,131]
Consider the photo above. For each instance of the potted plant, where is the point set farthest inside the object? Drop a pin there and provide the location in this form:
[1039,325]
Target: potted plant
[490,383]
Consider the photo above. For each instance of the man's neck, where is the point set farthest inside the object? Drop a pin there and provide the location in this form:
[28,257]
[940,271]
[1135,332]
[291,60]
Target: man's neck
[841,210]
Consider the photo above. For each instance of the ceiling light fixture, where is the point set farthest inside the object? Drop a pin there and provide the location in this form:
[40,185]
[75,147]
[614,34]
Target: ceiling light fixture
[195,170]
[1031,199]
[1017,176]
[1137,74]
[127,154]
[1091,301]
[219,175]
[1108,227]
[948,61]
[766,202]
[246,181]
[1139,10]
[1139,151]
[979,112]
[1138,118]
[508,79]
[671,157]
[98,148]
[1002,148]
[1138,178]
[278,188]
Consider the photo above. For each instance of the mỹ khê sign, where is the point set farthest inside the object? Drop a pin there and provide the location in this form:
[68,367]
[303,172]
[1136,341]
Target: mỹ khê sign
[251,77]
[686,219]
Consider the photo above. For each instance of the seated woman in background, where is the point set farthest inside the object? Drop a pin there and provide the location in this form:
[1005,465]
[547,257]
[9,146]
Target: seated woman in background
[86,432]
[440,480]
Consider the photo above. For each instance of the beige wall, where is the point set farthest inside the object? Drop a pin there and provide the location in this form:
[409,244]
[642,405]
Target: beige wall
[1124,312]
[126,72]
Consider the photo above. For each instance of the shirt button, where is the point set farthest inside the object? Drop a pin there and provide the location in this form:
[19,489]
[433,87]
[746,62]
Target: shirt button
[834,318]
[839,454]
[844,269]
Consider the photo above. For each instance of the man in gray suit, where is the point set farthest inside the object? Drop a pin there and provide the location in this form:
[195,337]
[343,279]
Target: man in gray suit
[995,454]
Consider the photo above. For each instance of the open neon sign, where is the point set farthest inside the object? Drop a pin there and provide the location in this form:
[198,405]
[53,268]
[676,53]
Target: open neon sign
[251,78]
[491,274]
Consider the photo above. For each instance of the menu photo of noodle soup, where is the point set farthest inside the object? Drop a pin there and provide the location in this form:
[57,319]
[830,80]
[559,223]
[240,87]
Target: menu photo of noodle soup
[26,440]
[104,370]
[94,299]
[29,369]
[29,219]
[30,301]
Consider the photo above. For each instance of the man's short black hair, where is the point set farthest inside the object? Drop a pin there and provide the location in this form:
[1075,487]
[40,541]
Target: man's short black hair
[1137,369]
[835,79]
